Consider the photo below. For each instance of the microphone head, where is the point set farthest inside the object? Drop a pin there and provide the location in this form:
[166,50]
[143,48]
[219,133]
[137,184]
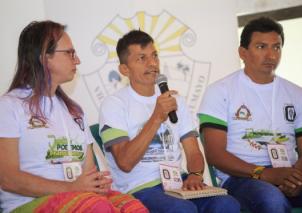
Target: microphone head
[161,78]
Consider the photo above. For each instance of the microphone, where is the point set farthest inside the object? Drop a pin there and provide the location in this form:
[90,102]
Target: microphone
[161,81]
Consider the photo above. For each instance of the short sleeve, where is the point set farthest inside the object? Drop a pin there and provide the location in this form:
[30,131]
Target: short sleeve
[213,111]
[187,126]
[112,121]
[10,114]
[112,113]
[298,111]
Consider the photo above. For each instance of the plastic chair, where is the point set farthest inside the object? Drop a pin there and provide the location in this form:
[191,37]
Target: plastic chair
[95,133]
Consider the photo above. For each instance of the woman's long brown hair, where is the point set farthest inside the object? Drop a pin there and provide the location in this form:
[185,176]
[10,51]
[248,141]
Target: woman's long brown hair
[36,40]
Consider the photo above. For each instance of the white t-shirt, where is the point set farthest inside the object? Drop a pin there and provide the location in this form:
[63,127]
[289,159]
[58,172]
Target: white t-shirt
[253,115]
[122,116]
[42,146]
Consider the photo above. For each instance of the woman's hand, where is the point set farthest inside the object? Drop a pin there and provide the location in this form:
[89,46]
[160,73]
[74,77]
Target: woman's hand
[93,181]
[105,182]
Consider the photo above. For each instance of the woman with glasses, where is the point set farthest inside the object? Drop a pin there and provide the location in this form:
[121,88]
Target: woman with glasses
[46,157]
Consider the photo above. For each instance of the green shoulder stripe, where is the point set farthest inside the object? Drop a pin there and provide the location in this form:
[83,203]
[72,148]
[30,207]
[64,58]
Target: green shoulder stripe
[298,132]
[111,134]
[204,118]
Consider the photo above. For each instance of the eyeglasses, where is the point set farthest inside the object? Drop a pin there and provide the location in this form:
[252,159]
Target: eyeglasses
[71,52]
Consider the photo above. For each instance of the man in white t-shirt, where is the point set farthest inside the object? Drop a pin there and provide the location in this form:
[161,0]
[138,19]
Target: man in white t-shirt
[138,135]
[251,122]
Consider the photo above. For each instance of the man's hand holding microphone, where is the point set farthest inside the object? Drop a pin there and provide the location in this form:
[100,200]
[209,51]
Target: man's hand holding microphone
[166,105]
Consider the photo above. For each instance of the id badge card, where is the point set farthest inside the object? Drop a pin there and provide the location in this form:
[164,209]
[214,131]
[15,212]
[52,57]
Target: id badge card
[72,170]
[278,155]
[170,176]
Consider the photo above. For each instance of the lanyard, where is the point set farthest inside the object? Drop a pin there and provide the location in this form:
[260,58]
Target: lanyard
[162,137]
[66,132]
[271,114]
[160,131]
[275,83]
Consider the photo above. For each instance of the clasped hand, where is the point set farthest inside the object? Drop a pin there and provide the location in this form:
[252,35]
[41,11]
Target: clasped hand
[93,181]
[292,185]
[289,180]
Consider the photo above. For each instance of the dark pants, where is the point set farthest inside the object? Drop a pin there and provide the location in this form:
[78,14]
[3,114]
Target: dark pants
[260,196]
[157,201]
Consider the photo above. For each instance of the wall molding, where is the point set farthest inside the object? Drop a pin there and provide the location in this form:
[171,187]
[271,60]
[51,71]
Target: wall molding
[279,15]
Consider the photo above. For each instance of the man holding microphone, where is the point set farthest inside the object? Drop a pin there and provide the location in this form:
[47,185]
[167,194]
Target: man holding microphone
[138,136]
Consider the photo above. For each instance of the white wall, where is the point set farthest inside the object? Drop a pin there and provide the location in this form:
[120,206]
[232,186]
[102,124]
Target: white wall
[291,63]
[14,16]
[85,20]
[208,47]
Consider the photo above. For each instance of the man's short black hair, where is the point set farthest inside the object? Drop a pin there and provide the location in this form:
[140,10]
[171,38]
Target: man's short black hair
[263,25]
[132,37]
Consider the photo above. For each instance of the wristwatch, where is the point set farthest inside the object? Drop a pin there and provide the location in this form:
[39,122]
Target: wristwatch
[257,172]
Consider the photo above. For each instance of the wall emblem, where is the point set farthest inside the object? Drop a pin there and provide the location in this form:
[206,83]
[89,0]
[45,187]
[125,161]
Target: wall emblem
[171,38]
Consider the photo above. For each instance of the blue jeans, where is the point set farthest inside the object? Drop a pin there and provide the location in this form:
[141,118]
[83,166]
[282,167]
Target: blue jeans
[157,201]
[260,196]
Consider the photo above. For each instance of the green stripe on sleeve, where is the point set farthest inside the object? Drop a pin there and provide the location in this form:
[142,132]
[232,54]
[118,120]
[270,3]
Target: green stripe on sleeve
[298,132]
[111,134]
[204,118]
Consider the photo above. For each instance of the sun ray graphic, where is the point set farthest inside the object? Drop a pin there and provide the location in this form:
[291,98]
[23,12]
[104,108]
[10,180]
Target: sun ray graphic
[166,30]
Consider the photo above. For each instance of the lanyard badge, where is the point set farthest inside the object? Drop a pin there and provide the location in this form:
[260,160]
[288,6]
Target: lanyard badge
[72,170]
[170,176]
[278,155]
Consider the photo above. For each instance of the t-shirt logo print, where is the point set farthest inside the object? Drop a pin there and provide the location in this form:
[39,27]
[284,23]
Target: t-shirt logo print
[59,150]
[36,122]
[161,147]
[289,113]
[243,113]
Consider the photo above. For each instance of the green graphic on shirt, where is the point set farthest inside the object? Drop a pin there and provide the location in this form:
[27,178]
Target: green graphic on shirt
[264,137]
[162,147]
[59,151]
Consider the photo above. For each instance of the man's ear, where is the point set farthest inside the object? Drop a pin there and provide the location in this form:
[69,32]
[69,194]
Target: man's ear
[124,69]
[242,53]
